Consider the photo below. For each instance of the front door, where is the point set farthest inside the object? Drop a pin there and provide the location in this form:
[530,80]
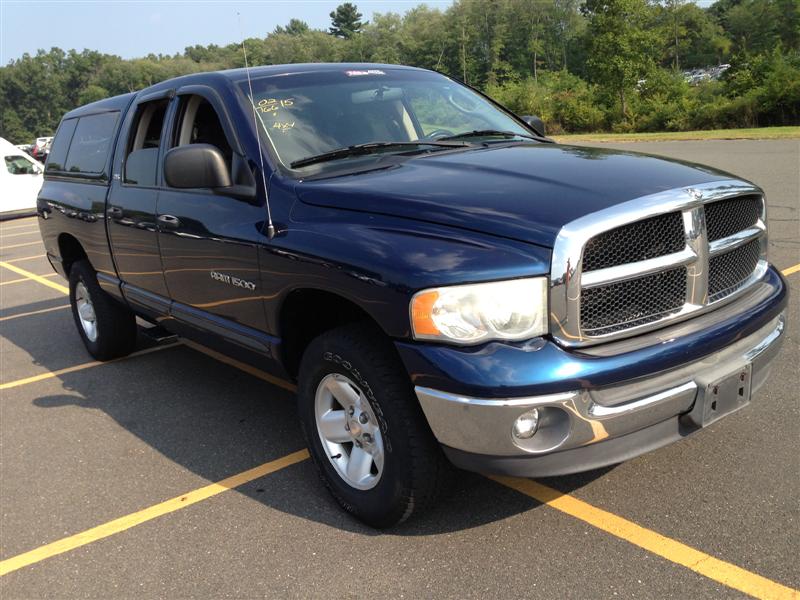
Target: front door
[131,211]
[209,242]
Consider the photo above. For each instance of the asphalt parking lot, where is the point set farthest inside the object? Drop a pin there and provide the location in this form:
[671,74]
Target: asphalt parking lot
[173,474]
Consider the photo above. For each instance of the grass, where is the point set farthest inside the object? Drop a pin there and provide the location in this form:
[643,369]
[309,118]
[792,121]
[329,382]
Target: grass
[758,133]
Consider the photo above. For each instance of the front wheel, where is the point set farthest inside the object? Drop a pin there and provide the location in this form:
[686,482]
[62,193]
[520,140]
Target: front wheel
[107,328]
[364,427]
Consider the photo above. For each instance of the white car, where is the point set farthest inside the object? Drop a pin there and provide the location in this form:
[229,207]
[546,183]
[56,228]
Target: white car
[20,182]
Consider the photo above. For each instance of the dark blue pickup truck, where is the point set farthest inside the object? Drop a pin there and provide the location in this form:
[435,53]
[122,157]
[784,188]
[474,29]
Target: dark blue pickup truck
[444,283]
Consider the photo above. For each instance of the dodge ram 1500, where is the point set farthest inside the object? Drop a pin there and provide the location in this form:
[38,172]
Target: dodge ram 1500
[443,282]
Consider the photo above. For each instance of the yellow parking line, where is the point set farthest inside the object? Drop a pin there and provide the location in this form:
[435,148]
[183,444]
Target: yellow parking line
[88,365]
[34,312]
[20,226]
[4,235]
[791,270]
[24,279]
[16,260]
[723,572]
[20,245]
[39,278]
[148,514]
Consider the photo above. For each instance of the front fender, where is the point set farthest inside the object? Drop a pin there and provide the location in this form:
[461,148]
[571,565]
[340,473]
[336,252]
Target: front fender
[379,262]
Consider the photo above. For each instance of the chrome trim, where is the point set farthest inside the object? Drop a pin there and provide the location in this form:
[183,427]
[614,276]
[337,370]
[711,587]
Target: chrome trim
[638,269]
[740,238]
[496,402]
[585,417]
[600,411]
[694,224]
[567,279]
[765,344]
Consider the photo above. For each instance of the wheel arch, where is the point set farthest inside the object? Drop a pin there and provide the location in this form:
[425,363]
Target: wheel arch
[71,251]
[306,313]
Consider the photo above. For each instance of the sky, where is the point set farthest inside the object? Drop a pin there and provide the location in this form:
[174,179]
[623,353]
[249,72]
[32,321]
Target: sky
[134,28]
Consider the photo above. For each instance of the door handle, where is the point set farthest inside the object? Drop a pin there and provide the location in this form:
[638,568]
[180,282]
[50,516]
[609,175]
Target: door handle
[115,212]
[169,221]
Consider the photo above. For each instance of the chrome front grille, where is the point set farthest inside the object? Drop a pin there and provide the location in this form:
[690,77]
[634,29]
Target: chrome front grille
[653,260]
[644,239]
[728,271]
[726,217]
[618,306]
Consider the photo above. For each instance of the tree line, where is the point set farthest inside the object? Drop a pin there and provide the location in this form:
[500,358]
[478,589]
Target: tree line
[582,65]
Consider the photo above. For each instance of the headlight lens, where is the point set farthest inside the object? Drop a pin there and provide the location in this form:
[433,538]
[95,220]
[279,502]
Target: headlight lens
[469,314]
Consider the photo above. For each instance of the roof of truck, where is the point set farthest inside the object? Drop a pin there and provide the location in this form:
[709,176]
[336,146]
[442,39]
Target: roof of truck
[120,102]
[261,71]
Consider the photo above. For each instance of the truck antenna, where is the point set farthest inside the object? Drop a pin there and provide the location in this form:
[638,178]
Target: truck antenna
[270,226]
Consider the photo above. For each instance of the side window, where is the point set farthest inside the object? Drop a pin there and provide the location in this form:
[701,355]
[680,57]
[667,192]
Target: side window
[58,152]
[200,124]
[18,165]
[141,154]
[91,143]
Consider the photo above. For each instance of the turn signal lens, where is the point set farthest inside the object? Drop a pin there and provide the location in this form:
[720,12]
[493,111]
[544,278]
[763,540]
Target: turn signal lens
[422,311]
[469,314]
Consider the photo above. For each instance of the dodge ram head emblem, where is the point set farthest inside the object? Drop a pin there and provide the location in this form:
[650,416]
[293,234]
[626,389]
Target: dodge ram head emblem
[231,280]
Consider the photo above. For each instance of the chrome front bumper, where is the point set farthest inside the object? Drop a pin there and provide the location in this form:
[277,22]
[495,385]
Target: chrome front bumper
[573,421]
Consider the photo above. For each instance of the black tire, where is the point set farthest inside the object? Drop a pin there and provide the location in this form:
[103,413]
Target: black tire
[414,466]
[115,322]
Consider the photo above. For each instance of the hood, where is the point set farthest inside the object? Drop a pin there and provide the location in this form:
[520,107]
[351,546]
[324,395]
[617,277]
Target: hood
[525,192]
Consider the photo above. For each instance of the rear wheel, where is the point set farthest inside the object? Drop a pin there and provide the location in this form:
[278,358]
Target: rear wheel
[364,427]
[107,327]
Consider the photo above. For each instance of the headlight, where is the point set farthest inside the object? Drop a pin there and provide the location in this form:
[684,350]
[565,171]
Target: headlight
[469,314]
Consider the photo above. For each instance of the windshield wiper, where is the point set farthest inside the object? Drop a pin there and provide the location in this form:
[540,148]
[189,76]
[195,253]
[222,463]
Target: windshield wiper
[488,133]
[368,148]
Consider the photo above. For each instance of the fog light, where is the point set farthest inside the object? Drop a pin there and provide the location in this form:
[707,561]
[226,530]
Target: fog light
[526,425]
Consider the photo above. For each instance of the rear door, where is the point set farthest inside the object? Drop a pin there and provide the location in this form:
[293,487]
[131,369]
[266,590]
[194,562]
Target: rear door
[208,241]
[132,201]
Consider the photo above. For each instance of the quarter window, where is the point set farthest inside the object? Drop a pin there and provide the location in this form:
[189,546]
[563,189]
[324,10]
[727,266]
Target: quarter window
[91,143]
[58,152]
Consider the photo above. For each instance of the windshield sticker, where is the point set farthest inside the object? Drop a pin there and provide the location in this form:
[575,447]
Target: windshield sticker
[364,72]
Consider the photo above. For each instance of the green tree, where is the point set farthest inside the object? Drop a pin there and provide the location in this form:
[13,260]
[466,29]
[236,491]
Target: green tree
[381,39]
[346,21]
[788,26]
[691,35]
[294,27]
[424,38]
[623,46]
[753,24]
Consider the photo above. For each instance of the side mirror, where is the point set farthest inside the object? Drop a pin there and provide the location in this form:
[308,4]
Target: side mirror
[534,123]
[196,166]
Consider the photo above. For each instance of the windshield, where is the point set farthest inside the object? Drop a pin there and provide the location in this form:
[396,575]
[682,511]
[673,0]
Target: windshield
[308,114]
